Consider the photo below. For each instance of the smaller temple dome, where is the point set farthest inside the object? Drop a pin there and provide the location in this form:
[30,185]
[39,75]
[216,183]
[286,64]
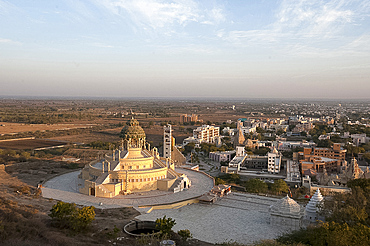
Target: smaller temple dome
[132,130]
[286,207]
[286,214]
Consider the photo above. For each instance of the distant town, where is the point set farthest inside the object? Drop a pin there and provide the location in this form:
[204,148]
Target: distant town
[275,169]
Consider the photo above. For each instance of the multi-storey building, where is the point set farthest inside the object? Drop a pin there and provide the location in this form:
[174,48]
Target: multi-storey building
[273,161]
[318,159]
[188,118]
[206,133]
[336,152]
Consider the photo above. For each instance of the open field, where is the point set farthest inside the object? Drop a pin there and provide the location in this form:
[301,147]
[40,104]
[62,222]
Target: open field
[30,144]
[14,128]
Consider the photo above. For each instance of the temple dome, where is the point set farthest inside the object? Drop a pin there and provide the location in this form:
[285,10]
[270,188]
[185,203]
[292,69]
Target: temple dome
[132,130]
[286,207]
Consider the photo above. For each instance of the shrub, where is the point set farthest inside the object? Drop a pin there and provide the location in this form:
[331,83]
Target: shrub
[68,215]
[185,234]
[165,225]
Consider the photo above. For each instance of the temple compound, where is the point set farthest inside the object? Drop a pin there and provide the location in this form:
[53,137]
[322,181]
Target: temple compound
[134,167]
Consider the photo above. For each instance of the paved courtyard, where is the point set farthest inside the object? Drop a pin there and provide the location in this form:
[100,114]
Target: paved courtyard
[243,218]
[65,188]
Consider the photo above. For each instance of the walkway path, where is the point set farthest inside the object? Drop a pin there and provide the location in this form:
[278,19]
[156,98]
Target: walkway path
[65,188]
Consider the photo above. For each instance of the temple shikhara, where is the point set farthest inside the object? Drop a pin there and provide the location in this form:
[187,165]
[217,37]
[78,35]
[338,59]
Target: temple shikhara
[133,167]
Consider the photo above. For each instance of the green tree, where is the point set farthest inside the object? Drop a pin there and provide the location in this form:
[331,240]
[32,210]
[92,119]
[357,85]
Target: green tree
[164,225]
[261,151]
[324,143]
[348,208]
[68,215]
[329,233]
[366,157]
[280,132]
[188,148]
[219,181]
[256,186]
[279,186]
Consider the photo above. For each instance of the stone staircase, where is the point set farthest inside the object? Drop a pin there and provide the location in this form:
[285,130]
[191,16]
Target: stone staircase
[176,186]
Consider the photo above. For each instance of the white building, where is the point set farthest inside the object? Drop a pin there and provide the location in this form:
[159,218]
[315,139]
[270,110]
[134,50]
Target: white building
[240,151]
[221,156]
[206,133]
[246,127]
[289,145]
[235,163]
[359,139]
[229,131]
[292,171]
[273,161]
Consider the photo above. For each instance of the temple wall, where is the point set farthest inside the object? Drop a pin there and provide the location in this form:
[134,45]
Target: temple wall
[165,184]
[287,223]
[139,163]
[87,185]
[114,188]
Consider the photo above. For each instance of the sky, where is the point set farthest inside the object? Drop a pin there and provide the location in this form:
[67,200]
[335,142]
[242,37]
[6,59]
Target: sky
[185,48]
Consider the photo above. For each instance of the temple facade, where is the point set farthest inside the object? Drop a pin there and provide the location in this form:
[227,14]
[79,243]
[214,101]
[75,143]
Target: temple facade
[133,167]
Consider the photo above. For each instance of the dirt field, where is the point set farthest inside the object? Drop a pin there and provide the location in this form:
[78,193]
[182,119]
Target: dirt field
[27,144]
[154,134]
[13,128]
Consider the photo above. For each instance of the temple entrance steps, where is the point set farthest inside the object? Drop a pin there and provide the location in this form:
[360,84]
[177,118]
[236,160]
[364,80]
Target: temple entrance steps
[176,186]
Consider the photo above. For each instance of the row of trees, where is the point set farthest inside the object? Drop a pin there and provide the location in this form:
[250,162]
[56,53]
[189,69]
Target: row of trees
[278,187]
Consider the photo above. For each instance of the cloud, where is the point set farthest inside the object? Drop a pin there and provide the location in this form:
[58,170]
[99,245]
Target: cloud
[7,8]
[305,26]
[313,18]
[155,13]
[101,45]
[215,16]
[9,41]
[158,14]
[250,37]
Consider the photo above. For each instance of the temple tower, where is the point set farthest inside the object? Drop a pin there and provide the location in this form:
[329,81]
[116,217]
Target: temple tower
[167,141]
[312,209]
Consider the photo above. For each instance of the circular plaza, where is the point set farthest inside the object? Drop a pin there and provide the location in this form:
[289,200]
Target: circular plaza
[66,188]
